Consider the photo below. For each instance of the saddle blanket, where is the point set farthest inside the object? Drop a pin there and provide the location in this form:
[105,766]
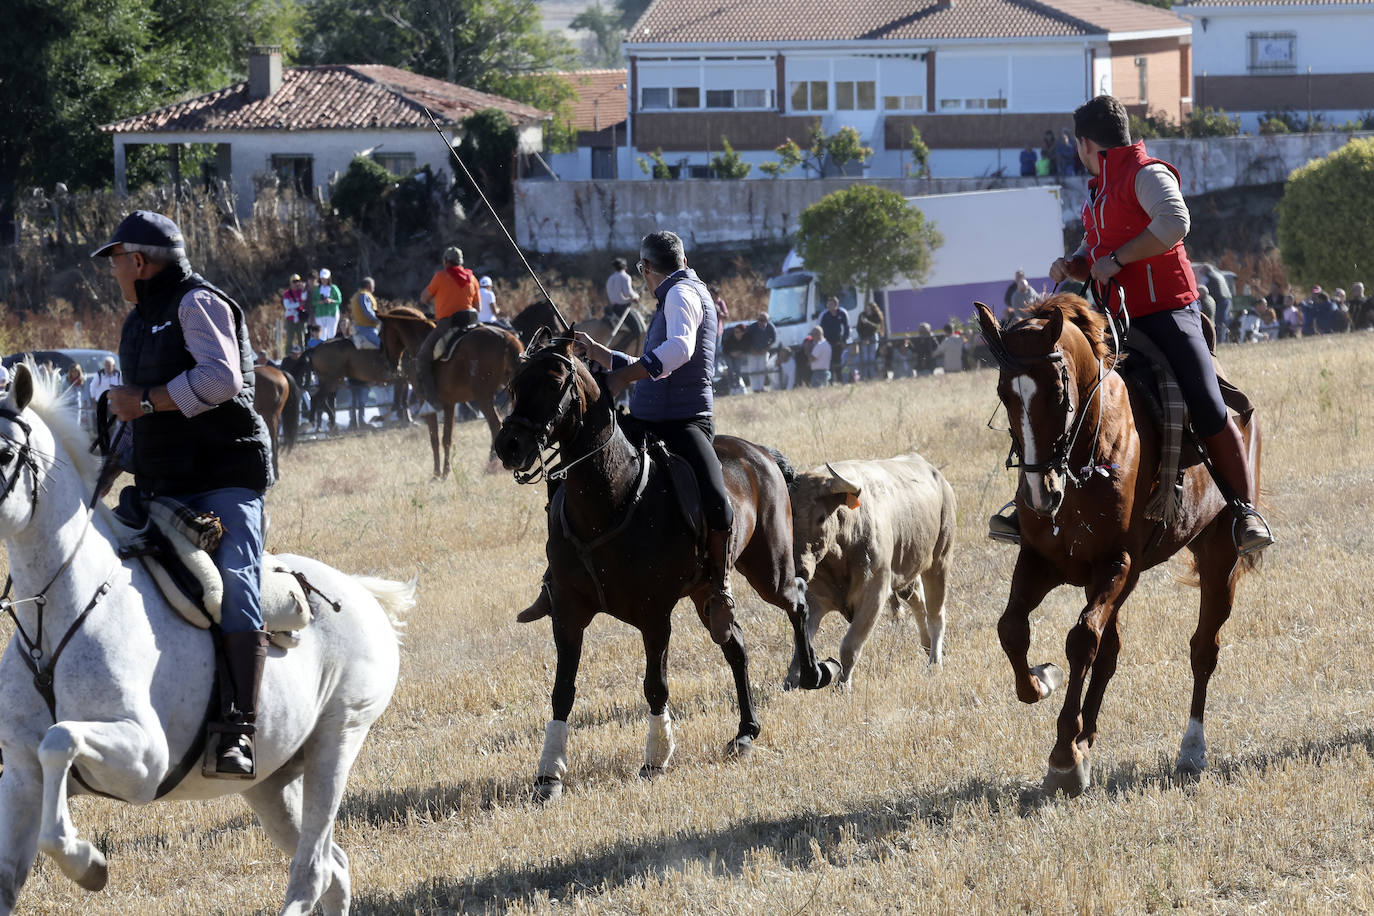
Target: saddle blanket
[285,609]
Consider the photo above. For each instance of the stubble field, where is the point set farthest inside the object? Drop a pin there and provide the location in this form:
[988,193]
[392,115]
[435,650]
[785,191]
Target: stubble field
[916,792]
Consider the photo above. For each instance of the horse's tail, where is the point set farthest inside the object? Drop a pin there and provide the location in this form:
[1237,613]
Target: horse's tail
[789,473]
[396,598]
[291,411]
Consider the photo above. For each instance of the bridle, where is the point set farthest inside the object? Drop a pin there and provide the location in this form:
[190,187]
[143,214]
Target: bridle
[548,452]
[33,653]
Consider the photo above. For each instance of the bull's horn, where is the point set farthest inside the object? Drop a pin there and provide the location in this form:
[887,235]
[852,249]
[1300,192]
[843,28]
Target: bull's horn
[838,484]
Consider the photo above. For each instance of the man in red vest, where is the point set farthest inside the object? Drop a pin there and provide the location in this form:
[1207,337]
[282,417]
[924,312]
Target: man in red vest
[1134,222]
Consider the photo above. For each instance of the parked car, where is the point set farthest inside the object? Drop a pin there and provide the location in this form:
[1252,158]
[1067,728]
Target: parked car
[91,361]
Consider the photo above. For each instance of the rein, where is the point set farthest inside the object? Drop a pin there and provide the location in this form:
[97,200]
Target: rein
[553,452]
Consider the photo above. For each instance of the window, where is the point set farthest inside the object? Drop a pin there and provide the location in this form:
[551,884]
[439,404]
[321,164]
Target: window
[810,96]
[855,96]
[867,92]
[951,104]
[971,104]
[650,99]
[753,98]
[687,97]
[997,103]
[903,102]
[844,95]
[1273,52]
[720,98]
[396,163]
[696,171]
[297,172]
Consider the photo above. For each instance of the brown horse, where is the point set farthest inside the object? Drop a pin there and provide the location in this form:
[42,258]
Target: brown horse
[338,360]
[618,543]
[1089,453]
[482,363]
[277,398]
[625,335]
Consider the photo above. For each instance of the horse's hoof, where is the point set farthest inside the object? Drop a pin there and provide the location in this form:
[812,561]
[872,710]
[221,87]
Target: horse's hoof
[96,874]
[651,772]
[791,683]
[1073,782]
[740,748]
[1050,676]
[548,789]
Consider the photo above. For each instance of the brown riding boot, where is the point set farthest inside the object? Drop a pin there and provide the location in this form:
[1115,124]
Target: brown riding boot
[1227,451]
[244,656]
[721,605]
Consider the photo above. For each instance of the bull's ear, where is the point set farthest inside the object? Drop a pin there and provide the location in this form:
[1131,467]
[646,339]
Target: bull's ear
[21,387]
[838,485]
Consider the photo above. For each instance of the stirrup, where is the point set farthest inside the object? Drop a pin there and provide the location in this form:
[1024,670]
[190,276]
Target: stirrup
[1249,538]
[1005,526]
[215,733]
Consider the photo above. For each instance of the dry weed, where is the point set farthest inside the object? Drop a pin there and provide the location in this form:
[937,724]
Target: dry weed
[917,792]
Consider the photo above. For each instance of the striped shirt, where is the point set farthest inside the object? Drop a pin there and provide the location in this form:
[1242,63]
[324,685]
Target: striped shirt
[208,326]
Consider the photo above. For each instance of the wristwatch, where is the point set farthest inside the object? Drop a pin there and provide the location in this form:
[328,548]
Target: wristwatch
[1116,260]
[147,402]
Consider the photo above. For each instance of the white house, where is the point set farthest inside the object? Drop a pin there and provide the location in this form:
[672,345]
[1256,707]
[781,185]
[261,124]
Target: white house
[306,124]
[980,79]
[597,116]
[1310,58]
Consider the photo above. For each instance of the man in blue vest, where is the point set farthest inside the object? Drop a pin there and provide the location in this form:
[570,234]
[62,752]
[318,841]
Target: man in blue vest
[188,399]
[674,399]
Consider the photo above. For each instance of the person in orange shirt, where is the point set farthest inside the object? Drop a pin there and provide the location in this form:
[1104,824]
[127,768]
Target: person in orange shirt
[454,294]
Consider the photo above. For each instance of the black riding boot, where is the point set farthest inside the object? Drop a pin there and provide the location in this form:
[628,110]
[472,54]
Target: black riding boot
[721,605]
[1227,451]
[244,656]
[542,606]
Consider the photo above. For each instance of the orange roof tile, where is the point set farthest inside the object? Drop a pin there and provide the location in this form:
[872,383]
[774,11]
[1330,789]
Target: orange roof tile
[601,97]
[739,21]
[335,97]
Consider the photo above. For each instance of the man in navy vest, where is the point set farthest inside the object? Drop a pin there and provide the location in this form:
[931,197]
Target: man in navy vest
[188,399]
[674,399]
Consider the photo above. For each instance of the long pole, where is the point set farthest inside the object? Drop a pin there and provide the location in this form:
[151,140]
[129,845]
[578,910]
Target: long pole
[458,159]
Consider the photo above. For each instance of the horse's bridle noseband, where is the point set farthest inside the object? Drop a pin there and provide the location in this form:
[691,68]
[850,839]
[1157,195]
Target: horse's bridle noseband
[547,453]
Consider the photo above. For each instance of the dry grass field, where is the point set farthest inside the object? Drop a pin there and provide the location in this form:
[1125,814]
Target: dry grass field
[916,792]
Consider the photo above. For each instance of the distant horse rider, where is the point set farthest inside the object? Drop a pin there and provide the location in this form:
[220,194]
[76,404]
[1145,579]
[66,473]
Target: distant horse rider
[620,290]
[362,309]
[673,400]
[455,294]
[188,399]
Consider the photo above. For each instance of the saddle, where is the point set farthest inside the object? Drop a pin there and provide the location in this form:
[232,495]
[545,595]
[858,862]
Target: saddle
[173,543]
[463,322]
[681,479]
[1150,375]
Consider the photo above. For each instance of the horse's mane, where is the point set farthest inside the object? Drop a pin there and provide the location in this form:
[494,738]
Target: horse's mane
[55,404]
[1076,311]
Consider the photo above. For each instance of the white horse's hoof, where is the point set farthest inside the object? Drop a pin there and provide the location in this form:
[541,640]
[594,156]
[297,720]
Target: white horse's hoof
[1073,782]
[95,874]
[1050,676]
[548,789]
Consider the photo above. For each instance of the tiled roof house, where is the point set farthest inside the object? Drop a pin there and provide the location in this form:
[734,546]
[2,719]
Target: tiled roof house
[307,123]
[598,115]
[1257,57]
[975,76]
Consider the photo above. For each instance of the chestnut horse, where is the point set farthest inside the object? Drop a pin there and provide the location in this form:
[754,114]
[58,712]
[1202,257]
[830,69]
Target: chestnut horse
[277,398]
[481,365]
[1089,450]
[628,336]
[338,360]
[618,544]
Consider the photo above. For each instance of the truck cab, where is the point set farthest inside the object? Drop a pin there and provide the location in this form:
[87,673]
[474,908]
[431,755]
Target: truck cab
[795,303]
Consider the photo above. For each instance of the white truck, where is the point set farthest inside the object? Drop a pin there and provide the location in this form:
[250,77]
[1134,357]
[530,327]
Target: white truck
[989,235]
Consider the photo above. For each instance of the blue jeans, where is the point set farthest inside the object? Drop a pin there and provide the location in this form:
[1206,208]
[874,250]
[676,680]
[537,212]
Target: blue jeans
[239,555]
[820,377]
[868,358]
[368,334]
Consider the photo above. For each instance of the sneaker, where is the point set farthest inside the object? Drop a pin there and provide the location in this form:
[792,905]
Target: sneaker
[1004,526]
[1250,531]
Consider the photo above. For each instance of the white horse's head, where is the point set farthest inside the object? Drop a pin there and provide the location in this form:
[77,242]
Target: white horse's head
[44,453]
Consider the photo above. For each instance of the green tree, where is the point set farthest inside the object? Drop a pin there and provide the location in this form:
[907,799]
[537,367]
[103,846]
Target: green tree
[68,66]
[655,166]
[865,236]
[728,164]
[488,150]
[1326,227]
[920,154]
[607,32]
[822,154]
[361,190]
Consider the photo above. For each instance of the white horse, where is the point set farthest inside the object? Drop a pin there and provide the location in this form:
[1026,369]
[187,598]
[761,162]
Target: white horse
[130,681]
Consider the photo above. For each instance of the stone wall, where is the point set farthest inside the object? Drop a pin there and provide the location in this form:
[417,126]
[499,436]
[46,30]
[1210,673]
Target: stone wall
[576,216]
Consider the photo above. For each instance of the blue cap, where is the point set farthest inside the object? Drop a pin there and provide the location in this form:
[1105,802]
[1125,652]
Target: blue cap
[144,227]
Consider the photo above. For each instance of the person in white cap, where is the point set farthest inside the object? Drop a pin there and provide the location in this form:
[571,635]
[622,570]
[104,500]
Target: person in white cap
[325,300]
[486,305]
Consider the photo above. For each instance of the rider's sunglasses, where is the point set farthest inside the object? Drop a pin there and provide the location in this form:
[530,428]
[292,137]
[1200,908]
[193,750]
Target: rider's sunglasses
[640,266]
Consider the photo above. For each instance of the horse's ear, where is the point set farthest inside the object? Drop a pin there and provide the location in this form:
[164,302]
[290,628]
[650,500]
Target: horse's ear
[1054,326]
[992,330]
[540,338]
[21,386]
